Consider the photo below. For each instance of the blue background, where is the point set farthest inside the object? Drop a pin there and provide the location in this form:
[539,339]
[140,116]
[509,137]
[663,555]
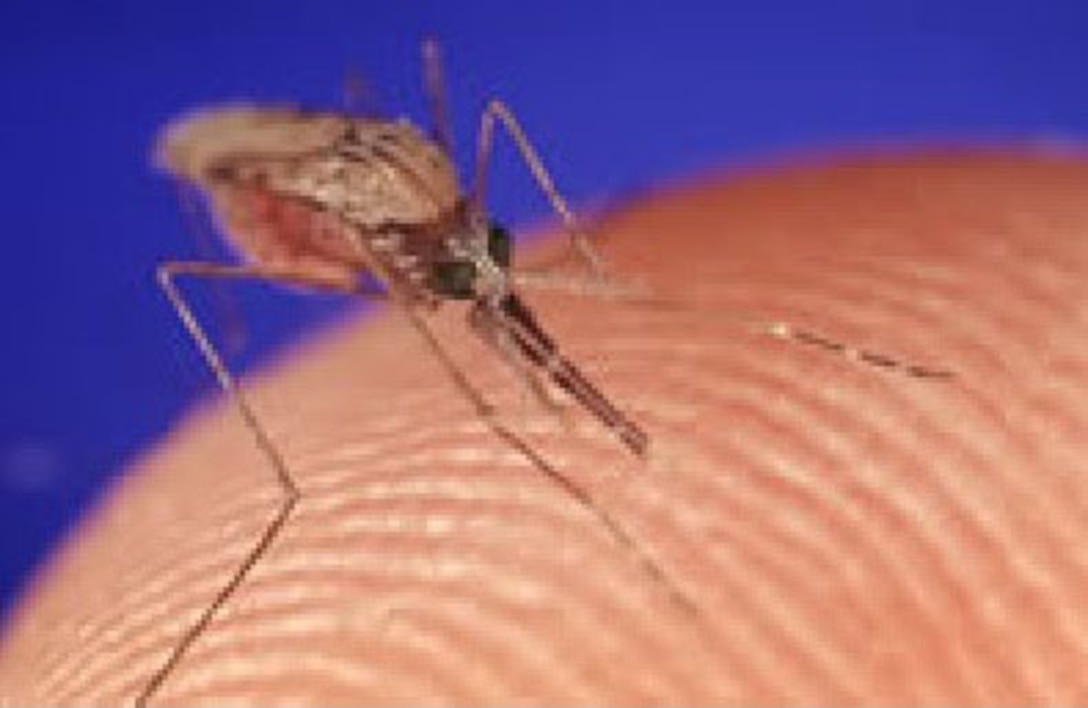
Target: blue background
[617,95]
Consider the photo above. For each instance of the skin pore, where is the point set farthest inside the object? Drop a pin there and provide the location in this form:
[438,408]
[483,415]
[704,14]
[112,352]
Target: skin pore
[845,534]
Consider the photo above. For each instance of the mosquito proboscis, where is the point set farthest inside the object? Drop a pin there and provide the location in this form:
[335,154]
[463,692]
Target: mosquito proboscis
[320,199]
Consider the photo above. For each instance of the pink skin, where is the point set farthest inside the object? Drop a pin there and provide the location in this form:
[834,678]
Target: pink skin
[847,535]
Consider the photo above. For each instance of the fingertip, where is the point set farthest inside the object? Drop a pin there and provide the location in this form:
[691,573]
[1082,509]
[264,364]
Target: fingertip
[842,534]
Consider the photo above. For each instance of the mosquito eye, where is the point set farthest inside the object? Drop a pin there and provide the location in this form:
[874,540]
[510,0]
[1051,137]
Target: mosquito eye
[454,279]
[498,244]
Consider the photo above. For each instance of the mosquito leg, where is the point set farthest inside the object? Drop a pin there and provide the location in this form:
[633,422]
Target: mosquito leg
[788,332]
[806,337]
[579,285]
[488,415]
[434,86]
[167,272]
[580,244]
[635,295]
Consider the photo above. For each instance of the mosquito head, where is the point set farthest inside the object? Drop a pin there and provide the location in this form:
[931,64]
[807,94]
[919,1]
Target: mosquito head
[458,276]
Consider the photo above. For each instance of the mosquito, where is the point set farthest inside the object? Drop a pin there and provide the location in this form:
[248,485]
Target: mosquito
[328,200]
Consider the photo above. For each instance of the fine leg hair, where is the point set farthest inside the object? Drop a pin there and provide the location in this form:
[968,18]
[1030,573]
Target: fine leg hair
[434,86]
[580,244]
[167,272]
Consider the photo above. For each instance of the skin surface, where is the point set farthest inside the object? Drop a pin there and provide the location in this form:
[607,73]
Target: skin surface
[847,534]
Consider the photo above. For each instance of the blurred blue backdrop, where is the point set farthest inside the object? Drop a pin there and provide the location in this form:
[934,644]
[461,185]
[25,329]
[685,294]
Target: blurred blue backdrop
[618,95]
